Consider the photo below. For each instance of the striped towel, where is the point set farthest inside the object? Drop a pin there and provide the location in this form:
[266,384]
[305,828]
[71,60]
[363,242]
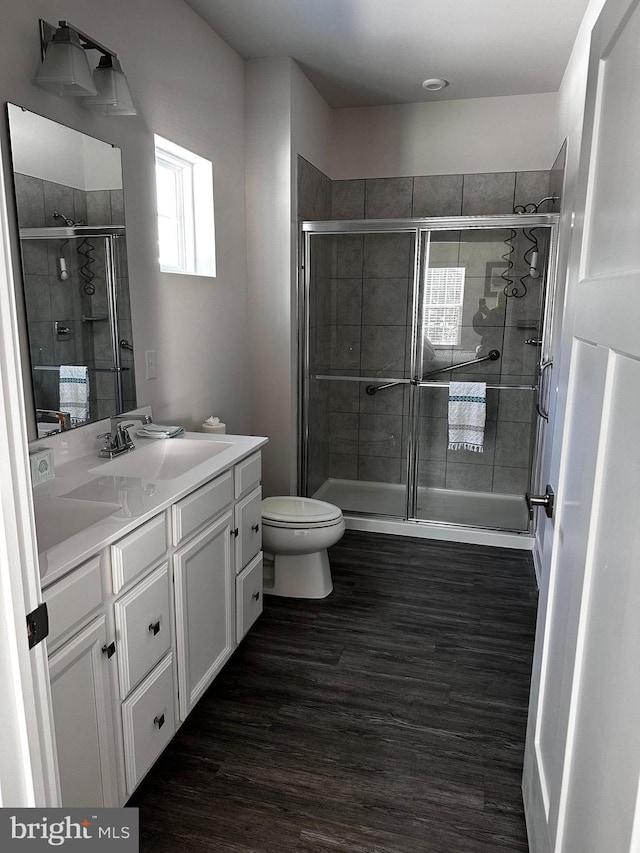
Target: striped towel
[467,414]
[74,392]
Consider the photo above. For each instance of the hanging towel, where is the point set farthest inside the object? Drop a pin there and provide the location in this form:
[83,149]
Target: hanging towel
[74,392]
[467,414]
[159,431]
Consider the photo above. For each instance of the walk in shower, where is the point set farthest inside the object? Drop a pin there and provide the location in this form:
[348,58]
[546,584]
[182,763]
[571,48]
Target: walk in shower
[77,309]
[393,311]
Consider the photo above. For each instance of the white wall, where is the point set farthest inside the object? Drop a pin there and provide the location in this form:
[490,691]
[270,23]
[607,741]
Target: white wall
[285,116]
[189,87]
[507,134]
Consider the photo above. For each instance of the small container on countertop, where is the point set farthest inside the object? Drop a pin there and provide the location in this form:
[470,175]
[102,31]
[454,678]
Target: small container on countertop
[213,425]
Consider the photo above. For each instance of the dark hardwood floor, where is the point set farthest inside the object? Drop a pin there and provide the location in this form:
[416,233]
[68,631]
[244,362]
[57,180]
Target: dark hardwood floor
[388,717]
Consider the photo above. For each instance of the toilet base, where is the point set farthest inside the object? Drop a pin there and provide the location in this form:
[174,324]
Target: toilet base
[301,575]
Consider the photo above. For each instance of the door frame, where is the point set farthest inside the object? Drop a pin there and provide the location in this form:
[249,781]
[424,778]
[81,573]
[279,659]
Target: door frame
[28,763]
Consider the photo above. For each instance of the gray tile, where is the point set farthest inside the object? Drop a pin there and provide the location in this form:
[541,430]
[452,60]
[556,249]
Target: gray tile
[380,469]
[383,350]
[516,405]
[432,474]
[98,207]
[349,255]
[314,192]
[346,301]
[388,198]
[344,396]
[117,207]
[35,259]
[80,206]
[388,255]
[385,301]
[380,435]
[345,347]
[531,187]
[518,357]
[343,466]
[488,193]
[434,402]
[469,478]
[30,201]
[37,298]
[437,195]
[390,401]
[510,481]
[343,432]
[57,197]
[347,199]
[513,444]
[432,439]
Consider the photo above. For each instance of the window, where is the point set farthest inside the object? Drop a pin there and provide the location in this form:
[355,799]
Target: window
[186,228]
[442,305]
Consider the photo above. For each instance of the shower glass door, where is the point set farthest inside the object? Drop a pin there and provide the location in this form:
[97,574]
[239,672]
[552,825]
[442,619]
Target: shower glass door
[360,326]
[481,306]
[393,313]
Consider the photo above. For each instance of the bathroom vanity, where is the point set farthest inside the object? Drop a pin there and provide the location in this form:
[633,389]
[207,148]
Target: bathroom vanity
[151,568]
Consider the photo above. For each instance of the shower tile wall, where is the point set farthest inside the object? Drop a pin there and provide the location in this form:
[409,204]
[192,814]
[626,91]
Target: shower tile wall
[369,334]
[49,299]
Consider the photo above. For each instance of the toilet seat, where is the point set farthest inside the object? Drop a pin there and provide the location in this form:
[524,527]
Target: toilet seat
[297,512]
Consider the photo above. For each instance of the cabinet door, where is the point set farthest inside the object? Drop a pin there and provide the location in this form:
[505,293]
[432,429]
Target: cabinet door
[204,591]
[83,721]
[249,524]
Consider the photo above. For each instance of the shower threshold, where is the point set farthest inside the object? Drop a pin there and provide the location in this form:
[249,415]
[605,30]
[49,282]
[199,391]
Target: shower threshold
[445,506]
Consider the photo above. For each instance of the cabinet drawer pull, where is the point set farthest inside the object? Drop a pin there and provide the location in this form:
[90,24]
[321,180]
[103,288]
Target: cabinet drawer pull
[234,531]
[255,527]
[109,650]
[159,721]
[255,595]
[155,627]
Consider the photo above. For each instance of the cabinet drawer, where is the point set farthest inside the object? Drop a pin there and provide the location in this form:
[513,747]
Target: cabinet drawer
[148,721]
[143,623]
[72,600]
[138,551]
[248,597]
[248,474]
[202,506]
[249,524]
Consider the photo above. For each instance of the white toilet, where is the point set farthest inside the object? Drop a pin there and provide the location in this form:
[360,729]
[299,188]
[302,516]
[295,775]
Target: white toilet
[298,531]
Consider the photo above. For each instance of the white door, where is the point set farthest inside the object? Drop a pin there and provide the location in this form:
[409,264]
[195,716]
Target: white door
[582,761]
[81,697]
[204,590]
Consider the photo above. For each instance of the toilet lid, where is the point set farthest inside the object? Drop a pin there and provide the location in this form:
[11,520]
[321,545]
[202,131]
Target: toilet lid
[294,509]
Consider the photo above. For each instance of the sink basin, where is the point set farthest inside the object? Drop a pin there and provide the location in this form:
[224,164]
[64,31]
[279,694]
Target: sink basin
[165,459]
[59,518]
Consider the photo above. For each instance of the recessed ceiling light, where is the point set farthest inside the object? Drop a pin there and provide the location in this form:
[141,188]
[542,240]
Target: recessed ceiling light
[435,84]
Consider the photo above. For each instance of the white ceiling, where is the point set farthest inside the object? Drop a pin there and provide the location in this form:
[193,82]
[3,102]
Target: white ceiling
[371,52]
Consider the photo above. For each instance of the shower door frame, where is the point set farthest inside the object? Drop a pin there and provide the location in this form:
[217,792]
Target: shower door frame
[421,228]
[110,234]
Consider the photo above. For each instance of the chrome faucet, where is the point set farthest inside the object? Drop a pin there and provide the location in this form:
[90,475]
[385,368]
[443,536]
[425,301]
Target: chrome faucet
[118,440]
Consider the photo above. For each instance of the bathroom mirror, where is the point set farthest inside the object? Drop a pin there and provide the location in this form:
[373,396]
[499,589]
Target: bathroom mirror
[70,211]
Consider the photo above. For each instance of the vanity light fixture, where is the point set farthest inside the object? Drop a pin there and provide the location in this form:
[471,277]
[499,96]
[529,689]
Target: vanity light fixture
[66,71]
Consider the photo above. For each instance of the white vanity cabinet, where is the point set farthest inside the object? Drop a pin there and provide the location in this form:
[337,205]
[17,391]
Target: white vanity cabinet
[82,676]
[138,632]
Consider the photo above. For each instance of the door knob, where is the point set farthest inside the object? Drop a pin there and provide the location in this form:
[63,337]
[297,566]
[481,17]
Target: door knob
[547,500]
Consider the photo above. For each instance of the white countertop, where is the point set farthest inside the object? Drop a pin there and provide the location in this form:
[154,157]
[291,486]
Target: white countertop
[80,488]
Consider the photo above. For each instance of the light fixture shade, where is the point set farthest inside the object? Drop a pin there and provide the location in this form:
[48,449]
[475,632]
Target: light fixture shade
[113,96]
[65,69]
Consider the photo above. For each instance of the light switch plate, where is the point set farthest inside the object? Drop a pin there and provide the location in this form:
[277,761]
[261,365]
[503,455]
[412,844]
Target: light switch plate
[151,360]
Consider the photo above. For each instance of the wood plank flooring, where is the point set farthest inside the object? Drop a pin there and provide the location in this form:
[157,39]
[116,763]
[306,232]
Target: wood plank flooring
[387,718]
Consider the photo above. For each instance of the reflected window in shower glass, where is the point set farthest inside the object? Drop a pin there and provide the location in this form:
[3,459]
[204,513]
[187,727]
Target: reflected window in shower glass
[442,305]
[186,227]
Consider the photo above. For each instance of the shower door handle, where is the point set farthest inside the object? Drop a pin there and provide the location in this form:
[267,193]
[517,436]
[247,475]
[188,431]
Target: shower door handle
[544,413]
[547,501]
